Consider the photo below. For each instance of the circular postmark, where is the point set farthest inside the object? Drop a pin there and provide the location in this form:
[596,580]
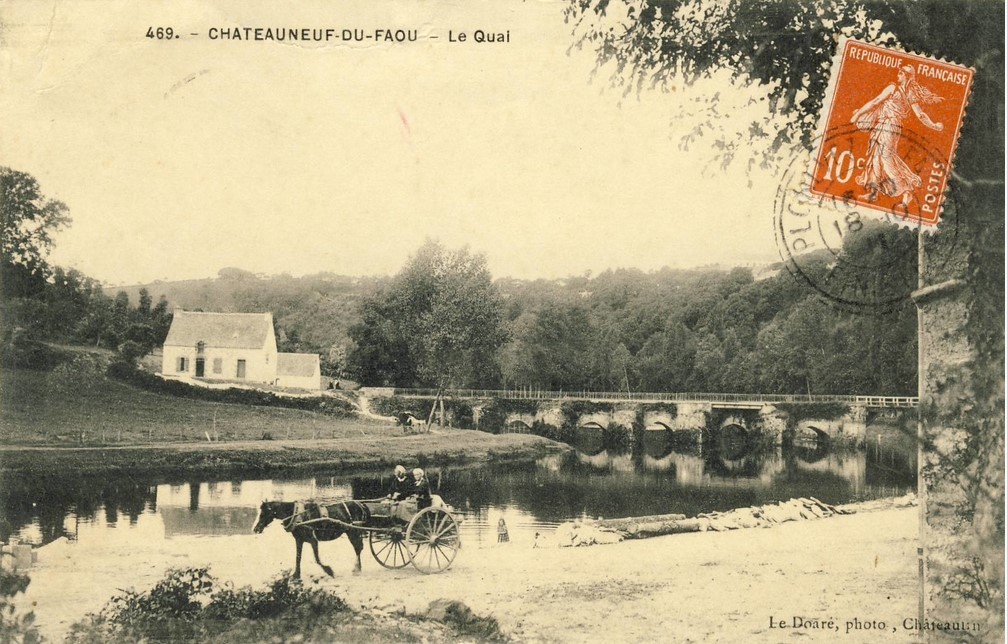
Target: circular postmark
[857,255]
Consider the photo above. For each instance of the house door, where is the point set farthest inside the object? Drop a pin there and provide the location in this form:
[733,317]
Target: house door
[200,367]
[241,369]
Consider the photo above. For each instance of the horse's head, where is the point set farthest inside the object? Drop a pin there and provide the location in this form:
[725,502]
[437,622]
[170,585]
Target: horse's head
[268,511]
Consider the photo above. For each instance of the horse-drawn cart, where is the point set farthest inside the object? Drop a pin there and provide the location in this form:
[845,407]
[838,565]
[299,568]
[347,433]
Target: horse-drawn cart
[398,532]
[401,535]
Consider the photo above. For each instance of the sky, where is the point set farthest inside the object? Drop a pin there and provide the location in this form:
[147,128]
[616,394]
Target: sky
[180,157]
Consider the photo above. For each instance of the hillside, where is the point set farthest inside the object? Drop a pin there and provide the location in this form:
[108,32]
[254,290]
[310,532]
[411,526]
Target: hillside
[700,329]
[312,313]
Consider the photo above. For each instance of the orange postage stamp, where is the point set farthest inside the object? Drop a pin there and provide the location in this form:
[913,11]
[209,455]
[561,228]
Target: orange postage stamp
[890,125]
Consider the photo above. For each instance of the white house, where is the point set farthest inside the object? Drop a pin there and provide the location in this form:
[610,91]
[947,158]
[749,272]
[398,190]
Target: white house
[232,346]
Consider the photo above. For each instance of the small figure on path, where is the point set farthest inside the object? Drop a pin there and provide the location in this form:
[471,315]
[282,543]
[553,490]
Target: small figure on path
[502,535]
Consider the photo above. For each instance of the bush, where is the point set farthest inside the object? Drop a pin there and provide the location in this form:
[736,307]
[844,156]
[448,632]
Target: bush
[617,439]
[128,373]
[23,353]
[466,624]
[285,597]
[174,597]
[461,413]
[458,412]
[79,377]
[494,413]
[14,627]
[820,410]
[187,605]
[131,351]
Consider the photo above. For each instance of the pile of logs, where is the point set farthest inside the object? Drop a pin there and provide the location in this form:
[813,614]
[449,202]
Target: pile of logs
[766,515]
[590,532]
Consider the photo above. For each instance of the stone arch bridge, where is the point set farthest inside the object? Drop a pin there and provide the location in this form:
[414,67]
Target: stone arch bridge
[774,418]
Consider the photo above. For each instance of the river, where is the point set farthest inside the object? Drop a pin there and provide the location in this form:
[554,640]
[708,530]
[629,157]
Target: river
[532,497]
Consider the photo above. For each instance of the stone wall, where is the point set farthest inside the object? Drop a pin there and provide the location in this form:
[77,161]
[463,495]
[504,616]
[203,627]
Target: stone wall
[961,316]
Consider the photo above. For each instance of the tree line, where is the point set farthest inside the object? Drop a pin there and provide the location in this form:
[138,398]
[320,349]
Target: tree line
[444,321]
[41,301]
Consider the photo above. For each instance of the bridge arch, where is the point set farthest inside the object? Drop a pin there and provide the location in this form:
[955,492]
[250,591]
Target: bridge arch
[589,438]
[811,443]
[732,440]
[658,440]
[517,426]
[812,432]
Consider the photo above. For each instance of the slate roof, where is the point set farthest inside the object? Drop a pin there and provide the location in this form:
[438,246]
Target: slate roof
[300,365]
[219,330]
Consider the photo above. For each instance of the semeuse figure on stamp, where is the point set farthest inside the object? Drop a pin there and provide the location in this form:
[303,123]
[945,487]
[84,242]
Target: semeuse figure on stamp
[882,116]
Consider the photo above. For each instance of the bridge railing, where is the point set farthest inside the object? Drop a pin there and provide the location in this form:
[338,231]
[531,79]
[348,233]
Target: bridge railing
[541,394]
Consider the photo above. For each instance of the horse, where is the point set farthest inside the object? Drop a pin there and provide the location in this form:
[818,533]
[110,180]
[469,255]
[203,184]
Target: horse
[408,419]
[294,515]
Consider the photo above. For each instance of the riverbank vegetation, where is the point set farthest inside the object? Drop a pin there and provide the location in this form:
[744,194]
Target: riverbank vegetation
[190,605]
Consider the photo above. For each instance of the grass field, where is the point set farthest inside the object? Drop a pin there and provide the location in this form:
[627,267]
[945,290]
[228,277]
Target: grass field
[117,413]
[126,429]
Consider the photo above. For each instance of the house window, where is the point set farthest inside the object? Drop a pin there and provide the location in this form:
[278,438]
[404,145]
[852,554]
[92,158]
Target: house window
[218,365]
[241,369]
[267,358]
[183,364]
[200,346]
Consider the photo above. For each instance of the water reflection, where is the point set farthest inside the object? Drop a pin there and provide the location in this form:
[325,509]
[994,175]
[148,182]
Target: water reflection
[735,459]
[664,474]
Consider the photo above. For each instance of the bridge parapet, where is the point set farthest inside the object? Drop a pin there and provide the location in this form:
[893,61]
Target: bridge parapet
[839,417]
[754,400]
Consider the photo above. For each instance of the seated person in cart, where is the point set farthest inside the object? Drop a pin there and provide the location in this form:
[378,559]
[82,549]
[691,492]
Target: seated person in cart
[402,485]
[421,489]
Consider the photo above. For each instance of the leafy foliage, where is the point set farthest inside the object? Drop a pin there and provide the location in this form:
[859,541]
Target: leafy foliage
[437,324]
[188,604]
[702,331]
[15,627]
[128,373]
[25,353]
[81,374]
[779,51]
[28,221]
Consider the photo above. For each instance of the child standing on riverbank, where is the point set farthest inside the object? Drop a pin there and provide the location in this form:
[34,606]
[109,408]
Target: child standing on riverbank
[502,535]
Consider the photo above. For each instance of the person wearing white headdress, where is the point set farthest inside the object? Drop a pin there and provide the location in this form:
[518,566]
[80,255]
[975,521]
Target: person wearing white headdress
[421,488]
[402,484]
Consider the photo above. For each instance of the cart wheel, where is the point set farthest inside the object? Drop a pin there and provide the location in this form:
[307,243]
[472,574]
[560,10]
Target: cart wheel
[389,548]
[433,540]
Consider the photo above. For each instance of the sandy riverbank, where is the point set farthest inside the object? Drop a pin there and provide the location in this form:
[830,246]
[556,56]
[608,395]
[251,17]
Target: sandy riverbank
[699,587]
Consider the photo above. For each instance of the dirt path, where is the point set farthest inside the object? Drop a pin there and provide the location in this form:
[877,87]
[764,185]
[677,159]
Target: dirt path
[364,406]
[699,587]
